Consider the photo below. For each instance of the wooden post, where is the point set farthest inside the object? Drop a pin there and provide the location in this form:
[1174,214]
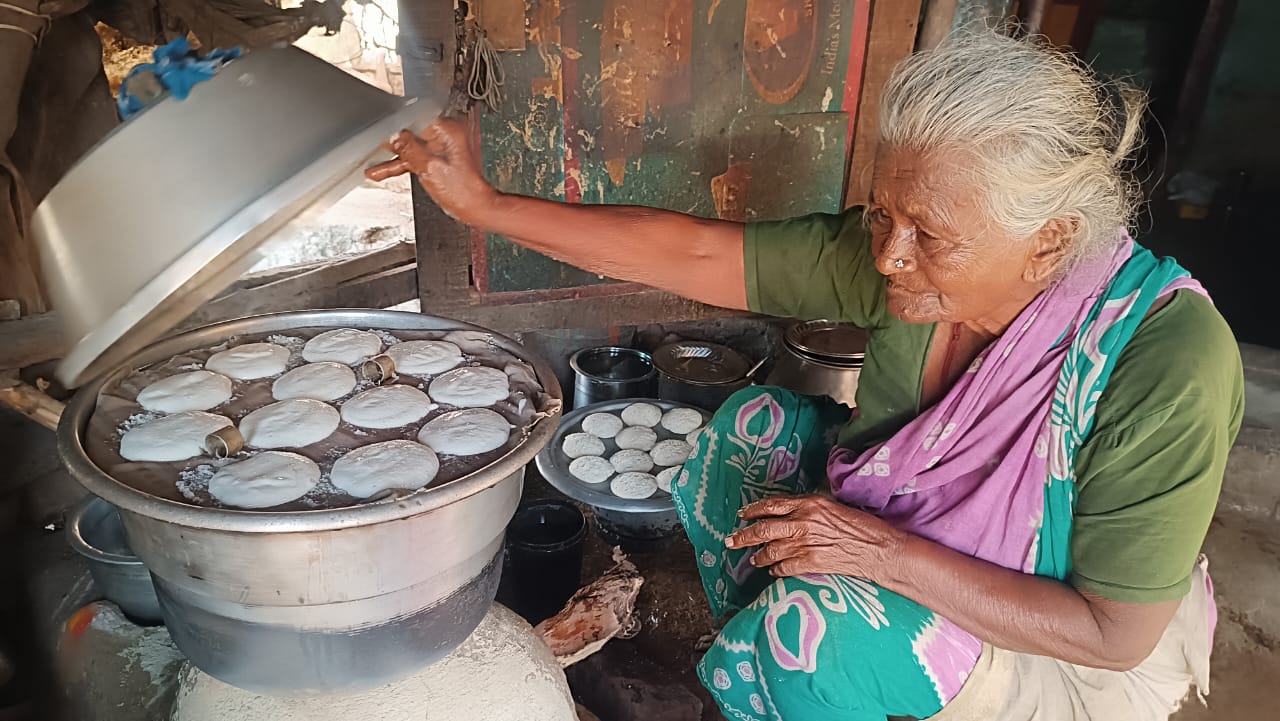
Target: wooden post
[892,38]
[427,47]
[939,18]
[19,261]
[32,403]
[1031,15]
[1199,79]
[1086,23]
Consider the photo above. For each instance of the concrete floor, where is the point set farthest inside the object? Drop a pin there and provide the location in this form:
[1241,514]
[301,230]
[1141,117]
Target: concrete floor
[1243,546]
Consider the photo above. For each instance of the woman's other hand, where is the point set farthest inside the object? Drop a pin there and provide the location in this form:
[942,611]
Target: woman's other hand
[446,167]
[812,534]
[1011,610]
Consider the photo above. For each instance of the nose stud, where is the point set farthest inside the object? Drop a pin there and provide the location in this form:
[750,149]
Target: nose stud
[899,264]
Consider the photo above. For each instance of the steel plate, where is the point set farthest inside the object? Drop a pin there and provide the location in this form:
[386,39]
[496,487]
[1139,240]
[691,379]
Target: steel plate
[75,421]
[553,464]
[168,209]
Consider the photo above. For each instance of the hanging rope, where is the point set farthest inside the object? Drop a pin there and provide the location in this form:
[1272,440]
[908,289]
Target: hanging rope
[487,75]
[477,72]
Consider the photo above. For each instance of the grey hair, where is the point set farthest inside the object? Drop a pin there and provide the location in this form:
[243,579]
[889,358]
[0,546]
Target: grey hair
[1046,137]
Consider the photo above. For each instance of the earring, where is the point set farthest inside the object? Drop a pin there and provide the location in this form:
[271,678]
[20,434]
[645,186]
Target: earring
[899,264]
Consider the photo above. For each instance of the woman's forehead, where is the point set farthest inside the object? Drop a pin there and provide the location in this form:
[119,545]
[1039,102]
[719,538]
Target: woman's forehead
[927,184]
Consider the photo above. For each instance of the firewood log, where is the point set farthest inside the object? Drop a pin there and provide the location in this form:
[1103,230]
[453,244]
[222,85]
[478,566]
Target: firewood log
[603,610]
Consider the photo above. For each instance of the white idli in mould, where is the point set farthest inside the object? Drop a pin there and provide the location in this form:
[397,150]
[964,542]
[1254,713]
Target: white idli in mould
[681,420]
[249,361]
[577,445]
[424,357]
[342,345]
[671,453]
[390,406]
[323,381]
[642,414]
[171,438]
[630,460]
[602,425]
[375,468]
[194,391]
[265,480]
[471,387]
[636,437]
[591,469]
[667,477]
[466,432]
[633,485]
[289,424]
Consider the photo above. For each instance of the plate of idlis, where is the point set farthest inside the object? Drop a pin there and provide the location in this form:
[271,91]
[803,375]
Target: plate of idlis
[622,455]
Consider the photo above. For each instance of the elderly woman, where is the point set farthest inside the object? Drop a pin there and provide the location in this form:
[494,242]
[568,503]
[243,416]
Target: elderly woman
[1009,526]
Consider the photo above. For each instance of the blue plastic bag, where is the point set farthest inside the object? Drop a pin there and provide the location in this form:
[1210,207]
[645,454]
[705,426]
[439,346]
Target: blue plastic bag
[177,68]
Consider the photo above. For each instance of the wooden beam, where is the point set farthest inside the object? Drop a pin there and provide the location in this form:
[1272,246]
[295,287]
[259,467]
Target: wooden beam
[374,280]
[1194,93]
[253,280]
[444,255]
[637,308]
[381,289]
[892,38]
[33,404]
[1031,16]
[503,22]
[30,340]
[38,338]
[939,19]
[427,49]
[19,258]
[253,24]
[1086,23]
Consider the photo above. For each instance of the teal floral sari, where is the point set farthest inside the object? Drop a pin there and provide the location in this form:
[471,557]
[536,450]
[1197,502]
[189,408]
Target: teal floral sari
[1004,437]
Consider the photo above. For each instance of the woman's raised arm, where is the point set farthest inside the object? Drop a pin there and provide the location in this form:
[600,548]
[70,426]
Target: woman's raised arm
[692,257]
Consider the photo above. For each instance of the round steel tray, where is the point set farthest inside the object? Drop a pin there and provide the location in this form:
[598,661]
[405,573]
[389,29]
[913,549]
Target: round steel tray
[275,136]
[553,464]
[75,421]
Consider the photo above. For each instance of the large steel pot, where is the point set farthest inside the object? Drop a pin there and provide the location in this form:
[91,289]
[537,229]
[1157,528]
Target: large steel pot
[608,373]
[325,600]
[95,532]
[821,358]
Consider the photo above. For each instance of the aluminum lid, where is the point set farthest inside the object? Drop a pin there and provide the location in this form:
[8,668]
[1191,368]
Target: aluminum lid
[701,362]
[828,340]
[172,207]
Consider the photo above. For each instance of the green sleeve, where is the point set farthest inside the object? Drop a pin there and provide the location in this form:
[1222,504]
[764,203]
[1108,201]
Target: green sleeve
[817,266]
[1149,476]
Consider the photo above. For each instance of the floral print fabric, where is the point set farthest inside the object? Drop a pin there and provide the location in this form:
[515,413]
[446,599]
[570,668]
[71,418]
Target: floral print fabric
[1003,438]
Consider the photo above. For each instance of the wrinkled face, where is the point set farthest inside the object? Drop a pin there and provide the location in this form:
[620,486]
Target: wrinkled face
[957,266]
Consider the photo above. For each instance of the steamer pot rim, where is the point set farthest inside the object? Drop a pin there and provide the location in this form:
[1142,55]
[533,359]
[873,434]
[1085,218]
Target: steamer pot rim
[75,420]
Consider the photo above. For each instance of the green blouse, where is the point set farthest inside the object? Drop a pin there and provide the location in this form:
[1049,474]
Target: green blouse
[1148,477]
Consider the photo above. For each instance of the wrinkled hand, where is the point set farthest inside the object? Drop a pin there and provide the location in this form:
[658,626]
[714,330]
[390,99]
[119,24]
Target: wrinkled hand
[446,167]
[812,534]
